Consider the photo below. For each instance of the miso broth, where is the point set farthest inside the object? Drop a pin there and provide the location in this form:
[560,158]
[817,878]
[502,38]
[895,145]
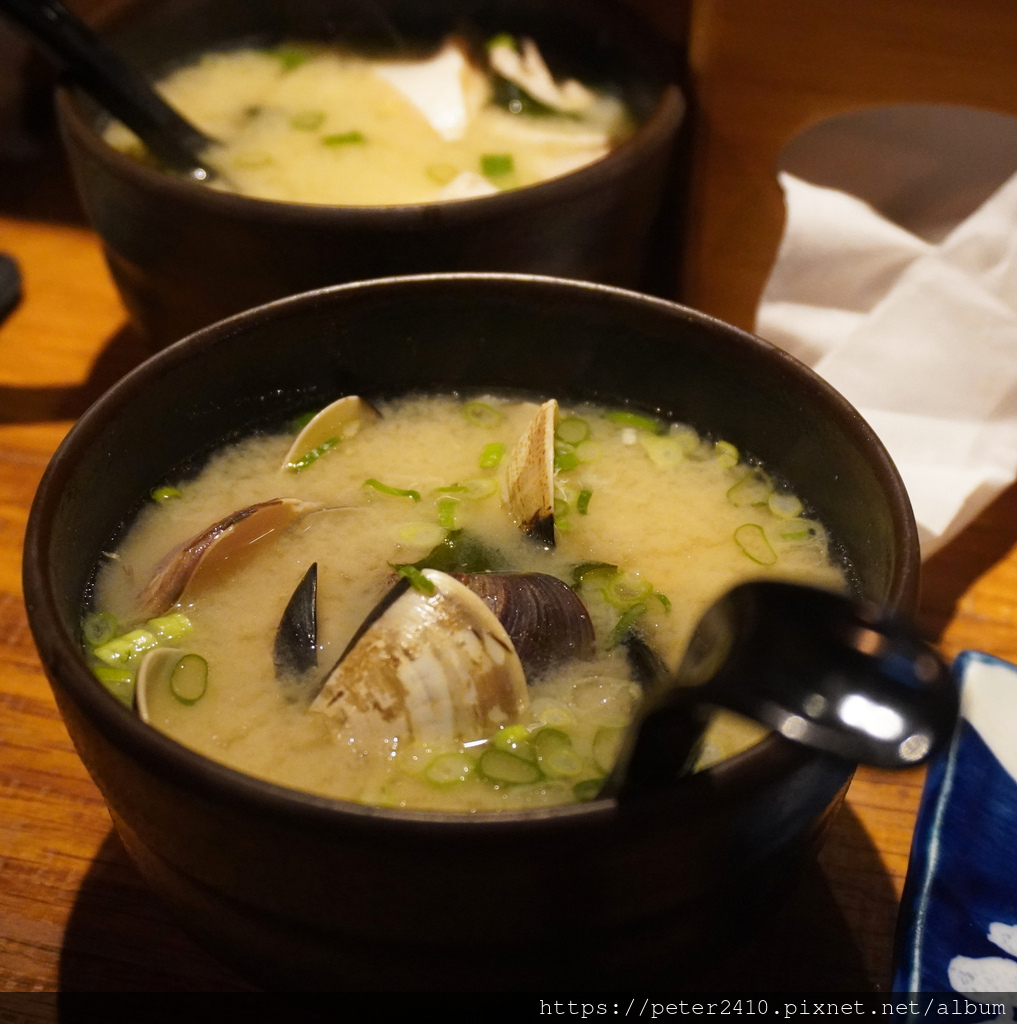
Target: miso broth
[652,522]
[311,124]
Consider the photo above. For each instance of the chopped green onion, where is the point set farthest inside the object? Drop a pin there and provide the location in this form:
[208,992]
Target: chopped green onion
[751,539]
[588,451]
[161,494]
[447,513]
[564,461]
[799,529]
[623,590]
[170,627]
[189,679]
[307,120]
[555,755]
[123,649]
[726,453]
[502,39]
[587,790]
[476,488]
[496,165]
[625,418]
[583,501]
[499,766]
[663,452]
[417,579]
[515,739]
[663,599]
[588,571]
[252,160]
[784,505]
[480,414]
[561,509]
[343,139]
[118,681]
[449,769]
[289,57]
[491,454]
[572,430]
[606,745]
[396,492]
[623,625]
[754,488]
[309,458]
[99,628]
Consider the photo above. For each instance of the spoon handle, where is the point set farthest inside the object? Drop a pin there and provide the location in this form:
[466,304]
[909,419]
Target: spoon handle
[101,72]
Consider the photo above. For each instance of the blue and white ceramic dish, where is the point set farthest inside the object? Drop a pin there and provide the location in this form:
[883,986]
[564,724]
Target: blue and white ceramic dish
[957,931]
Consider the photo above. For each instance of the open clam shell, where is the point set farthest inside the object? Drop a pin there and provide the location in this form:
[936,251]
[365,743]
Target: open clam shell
[296,640]
[545,618]
[209,554]
[529,476]
[333,424]
[429,667]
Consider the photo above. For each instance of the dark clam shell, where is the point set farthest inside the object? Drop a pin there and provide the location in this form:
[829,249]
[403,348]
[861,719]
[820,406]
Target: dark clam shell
[296,640]
[546,620]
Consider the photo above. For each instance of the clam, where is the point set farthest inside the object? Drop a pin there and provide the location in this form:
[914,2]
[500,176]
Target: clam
[336,422]
[296,639]
[529,476]
[544,617]
[201,560]
[526,68]
[427,666]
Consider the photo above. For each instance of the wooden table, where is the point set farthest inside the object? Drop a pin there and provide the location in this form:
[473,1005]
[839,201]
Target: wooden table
[75,916]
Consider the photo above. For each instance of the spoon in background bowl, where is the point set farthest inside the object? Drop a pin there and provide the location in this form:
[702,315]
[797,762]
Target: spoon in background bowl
[822,670]
[74,48]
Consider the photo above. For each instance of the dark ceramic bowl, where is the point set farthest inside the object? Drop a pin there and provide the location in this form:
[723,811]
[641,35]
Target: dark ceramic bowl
[303,891]
[184,255]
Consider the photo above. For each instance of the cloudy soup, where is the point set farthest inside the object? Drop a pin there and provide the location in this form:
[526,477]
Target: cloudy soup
[428,603]
[305,123]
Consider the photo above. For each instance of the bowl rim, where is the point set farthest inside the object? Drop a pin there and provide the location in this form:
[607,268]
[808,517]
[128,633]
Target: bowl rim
[656,132]
[169,760]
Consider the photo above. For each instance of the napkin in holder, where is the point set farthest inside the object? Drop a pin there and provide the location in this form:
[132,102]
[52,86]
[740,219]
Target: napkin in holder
[896,281]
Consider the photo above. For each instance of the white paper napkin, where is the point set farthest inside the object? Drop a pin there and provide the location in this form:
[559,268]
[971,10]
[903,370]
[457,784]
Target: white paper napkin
[920,335]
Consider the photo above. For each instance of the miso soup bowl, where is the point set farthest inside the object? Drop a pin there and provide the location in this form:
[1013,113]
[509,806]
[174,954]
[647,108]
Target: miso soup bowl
[184,255]
[300,891]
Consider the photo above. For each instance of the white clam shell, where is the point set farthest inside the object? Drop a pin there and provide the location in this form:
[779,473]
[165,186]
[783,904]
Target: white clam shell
[342,419]
[529,476]
[431,667]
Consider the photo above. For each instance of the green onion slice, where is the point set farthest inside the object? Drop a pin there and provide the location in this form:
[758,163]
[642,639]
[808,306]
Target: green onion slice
[572,430]
[626,418]
[480,414]
[784,505]
[755,488]
[343,139]
[447,513]
[726,453]
[417,579]
[289,57]
[125,648]
[162,494]
[623,590]
[99,628]
[170,627]
[396,492]
[565,461]
[606,745]
[555,755]
[189,679]
[515,739]
[492,454]
[663,599]
[118,681]
[500,766]
[589,572]
[583,501]
[587,790]
[496,165]
[449,769]
[624,624]
[309,458]
[751,539]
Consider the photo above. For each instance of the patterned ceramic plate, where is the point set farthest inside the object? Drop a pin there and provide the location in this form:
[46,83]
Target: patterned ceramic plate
[958,922]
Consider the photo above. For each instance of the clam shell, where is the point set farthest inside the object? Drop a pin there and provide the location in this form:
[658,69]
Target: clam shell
[433,667]
[296,640]
[529,476]
[209,555]
[342,419]
[544,617]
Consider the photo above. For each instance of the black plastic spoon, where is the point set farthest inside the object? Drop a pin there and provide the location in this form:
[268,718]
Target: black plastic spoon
[106,78]
[818,668]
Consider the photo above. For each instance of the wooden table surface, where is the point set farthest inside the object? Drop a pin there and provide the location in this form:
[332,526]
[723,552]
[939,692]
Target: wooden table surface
[74,915]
